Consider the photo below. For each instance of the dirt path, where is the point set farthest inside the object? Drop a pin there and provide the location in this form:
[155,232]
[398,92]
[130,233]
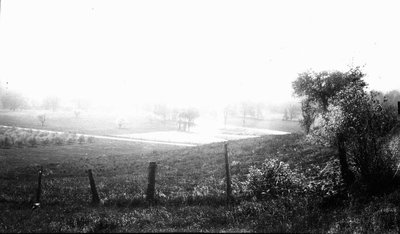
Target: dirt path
[109,137]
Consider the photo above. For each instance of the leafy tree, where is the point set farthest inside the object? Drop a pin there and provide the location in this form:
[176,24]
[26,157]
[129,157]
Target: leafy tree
[187,117]
[358,123]
[316,90]
[285,114]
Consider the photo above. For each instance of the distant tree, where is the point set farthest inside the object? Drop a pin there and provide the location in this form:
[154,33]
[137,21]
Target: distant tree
[391,99]
[51,103]
[293,111]
[259,108]
[285,114]
[162,111]
[77,113]
[42,119]
[186,118]
[121,122]
[13,100]
[247,109]
[81,103]
[228,110]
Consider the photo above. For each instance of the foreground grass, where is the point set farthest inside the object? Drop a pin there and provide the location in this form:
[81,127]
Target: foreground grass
[190,190]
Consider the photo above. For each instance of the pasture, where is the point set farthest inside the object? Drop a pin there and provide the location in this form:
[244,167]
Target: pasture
[190,184]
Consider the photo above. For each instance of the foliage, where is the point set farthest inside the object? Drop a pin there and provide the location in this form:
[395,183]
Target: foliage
[364,123]
[81,139]
[187,117]
[316,90]
[274,179]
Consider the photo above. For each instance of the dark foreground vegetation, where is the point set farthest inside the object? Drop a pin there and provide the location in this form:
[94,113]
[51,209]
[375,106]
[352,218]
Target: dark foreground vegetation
[280,184]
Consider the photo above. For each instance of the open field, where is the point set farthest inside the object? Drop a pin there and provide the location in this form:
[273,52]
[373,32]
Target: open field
[86,123]
[144,128]
[273,124]
[190,187]
[105,124]
[120,171]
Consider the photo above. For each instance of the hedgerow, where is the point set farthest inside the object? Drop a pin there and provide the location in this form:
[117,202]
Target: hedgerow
[13,137]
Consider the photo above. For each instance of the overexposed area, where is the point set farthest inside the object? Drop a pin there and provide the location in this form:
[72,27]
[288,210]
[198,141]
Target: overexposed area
[204,136]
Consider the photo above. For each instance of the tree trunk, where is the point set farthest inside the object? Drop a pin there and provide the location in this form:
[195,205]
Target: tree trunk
[347,174]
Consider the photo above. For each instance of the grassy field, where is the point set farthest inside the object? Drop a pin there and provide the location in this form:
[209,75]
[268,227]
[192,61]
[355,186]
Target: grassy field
[105,123]
[86,123]
[120,171]
[273,124]
[190,189]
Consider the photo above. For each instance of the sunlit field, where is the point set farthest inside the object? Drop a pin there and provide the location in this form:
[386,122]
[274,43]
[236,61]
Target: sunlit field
[104,123]
[146,127]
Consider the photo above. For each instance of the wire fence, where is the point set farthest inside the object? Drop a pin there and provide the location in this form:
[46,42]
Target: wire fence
[138,182]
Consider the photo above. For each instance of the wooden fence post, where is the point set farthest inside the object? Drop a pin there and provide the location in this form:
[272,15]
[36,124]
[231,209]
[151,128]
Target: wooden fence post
[95,195]
[398,108]
[228,175]
[151,182]
[39,189]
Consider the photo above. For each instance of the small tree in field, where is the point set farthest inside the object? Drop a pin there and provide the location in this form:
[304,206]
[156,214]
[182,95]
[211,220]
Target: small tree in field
[77,113]
[228,110]
[121,122]
[42,119]
[246,109]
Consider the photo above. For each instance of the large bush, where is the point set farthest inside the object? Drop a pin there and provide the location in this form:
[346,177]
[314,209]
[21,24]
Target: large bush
[362,123]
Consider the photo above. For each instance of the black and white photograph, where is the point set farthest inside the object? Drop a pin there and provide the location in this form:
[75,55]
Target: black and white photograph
[221,116]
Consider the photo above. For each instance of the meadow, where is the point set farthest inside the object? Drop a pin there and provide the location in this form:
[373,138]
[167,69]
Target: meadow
[190,189]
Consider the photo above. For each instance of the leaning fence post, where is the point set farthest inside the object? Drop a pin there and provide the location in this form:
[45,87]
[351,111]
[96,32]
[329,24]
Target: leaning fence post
[39,188]
[95,195]
[151,182]
[228,175]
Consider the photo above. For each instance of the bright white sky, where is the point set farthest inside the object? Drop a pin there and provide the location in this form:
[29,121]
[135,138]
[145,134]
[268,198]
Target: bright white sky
[200,52]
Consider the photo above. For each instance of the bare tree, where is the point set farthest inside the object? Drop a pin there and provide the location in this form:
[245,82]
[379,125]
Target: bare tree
[228,110]
[42,119]
[247,109]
